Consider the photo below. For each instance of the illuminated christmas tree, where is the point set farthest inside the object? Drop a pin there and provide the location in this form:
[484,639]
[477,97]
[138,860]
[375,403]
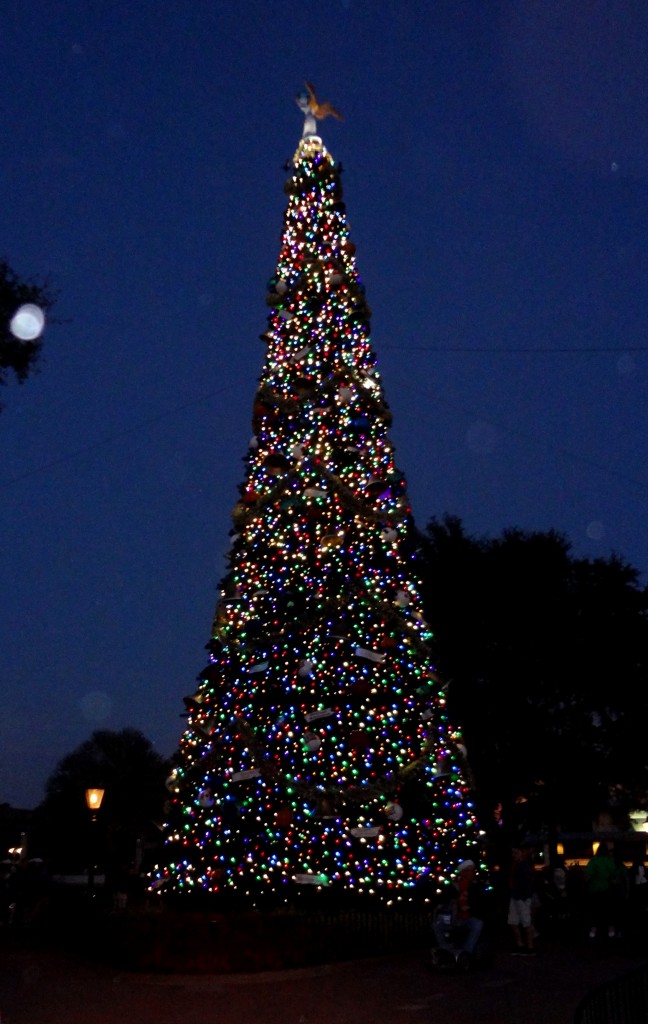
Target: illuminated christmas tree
[317,750]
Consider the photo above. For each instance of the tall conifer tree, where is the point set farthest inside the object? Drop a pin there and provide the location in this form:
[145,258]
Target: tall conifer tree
[317,750]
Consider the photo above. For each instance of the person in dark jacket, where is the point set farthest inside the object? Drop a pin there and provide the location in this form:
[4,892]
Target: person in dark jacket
[459,919]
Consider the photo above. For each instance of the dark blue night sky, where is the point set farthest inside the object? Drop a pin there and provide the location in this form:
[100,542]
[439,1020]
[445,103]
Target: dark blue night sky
[496,182]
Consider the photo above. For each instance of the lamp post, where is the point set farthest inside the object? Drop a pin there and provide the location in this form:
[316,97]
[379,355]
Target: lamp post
[93,803]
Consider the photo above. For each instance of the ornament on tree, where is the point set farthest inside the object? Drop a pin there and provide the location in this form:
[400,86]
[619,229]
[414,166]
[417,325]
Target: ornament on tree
[252,630]
[365,831]
[305,388]
[347,458]
[403,599]
[360,689]
[263,411]
[312,741]
[193,703]
[172,782]
[332,540]
[313,110]
[388,641]
[300,356]
[361,425]
[309,878]
[284,817]
[259,666]
[345,396]
[212,672]
[221,612]
[378,489]
[206,797]
[325,807]
[442,767]
[393,810]
[359,740]
[313,716]
[460,746]
[277,464]
[245,774]
[365,655]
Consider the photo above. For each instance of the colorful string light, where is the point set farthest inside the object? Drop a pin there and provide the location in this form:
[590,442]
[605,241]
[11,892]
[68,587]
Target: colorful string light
[317,750]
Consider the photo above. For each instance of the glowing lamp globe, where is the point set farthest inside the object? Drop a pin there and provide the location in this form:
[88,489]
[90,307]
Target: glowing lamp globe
[94,798]
[27,323]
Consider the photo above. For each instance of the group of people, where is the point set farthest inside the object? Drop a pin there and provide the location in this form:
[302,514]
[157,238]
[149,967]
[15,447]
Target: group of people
[611,898]
[465,908]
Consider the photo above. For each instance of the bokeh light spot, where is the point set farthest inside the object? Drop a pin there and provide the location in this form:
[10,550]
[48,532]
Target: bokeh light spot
[96,706]
[595,530]
[28,322]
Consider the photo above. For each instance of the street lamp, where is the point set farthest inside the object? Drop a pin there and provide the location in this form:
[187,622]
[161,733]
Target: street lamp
[93,802]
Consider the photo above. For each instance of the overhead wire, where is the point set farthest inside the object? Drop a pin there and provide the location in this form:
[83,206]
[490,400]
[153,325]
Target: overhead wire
[506,428]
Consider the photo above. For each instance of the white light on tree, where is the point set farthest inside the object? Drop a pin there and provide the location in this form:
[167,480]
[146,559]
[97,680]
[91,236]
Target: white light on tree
[28,322]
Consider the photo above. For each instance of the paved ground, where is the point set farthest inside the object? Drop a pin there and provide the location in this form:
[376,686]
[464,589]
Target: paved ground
[38,987]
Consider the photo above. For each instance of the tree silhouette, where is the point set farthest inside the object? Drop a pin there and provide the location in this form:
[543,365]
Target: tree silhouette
[547,657]
[18,356]
[123,763]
